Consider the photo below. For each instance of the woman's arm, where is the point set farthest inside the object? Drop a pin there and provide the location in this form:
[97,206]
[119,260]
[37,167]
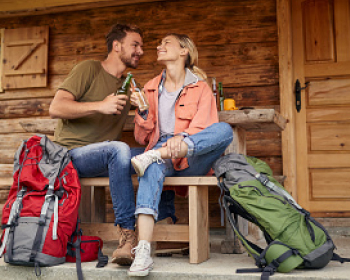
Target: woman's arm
[206,114]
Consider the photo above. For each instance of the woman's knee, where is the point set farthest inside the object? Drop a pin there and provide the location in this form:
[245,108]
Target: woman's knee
[223,130]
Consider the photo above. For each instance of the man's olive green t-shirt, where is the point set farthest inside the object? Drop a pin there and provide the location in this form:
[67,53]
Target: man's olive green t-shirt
[89,82]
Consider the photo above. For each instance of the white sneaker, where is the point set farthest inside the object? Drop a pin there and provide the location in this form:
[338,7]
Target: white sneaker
[143,262]
[141,162]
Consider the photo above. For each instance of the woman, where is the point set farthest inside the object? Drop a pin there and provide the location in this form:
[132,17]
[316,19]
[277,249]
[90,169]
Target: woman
[182,132]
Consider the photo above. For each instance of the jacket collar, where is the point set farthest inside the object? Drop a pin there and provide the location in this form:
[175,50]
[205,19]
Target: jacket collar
[191,79]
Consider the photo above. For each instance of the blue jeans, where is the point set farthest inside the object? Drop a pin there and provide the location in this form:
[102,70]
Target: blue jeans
[111,159]
[208,145]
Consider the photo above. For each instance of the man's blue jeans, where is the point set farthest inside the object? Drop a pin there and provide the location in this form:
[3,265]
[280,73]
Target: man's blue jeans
[111,159]
[208,145]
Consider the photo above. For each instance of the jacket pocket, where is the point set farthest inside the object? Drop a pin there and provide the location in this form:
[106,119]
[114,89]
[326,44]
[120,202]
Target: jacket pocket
[187,111]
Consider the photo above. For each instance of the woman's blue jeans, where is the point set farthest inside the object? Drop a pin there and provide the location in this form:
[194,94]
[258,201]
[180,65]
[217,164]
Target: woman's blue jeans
[111,159]
[208,145]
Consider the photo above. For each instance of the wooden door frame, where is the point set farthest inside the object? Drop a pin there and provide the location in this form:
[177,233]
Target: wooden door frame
[287,97]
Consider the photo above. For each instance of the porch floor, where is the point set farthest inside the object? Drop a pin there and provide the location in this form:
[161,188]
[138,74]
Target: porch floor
[219,266]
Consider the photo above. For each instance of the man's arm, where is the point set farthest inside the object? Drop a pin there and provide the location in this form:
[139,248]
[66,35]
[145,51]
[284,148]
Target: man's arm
[64,106]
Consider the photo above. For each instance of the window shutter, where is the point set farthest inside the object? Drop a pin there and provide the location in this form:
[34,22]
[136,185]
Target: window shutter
[25,57]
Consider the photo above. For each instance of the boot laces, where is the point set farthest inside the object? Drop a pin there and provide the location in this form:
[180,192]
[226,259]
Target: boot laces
[126,236]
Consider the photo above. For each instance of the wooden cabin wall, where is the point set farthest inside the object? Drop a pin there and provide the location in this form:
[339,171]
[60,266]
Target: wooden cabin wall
[237,44]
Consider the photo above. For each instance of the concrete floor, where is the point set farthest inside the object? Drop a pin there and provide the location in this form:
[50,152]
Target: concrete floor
[219,266]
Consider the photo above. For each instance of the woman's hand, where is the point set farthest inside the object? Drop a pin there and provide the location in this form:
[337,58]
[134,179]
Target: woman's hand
[173,146]
[134,99]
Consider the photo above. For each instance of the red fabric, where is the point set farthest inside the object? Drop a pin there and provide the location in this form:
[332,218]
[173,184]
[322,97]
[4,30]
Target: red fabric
[33,179]
[89,250]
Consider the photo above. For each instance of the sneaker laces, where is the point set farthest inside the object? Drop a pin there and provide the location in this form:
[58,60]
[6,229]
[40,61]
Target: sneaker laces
[142,253]
[150,157]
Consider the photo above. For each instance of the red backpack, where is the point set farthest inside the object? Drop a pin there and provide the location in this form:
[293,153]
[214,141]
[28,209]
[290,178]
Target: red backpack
[41,211]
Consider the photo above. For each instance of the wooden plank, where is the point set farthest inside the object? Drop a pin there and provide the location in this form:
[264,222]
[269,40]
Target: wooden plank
[328,114]
[254,120]
[330,137]
[328,92]
[98,203]
[58,6]
[25,108]
[169,181]
[6,170]
[43,125]
[199,224]
[339,179]
[286,93]
[6,181]
[341,68]
[13,141]
[238,144]
[27,42]
[23,125]
[23,72]
[300,140]
[162,232]
[6,156]
[318,30]
[174,233]
[329,160]
[85,205]
[342,26]
[1,56]
[14,94]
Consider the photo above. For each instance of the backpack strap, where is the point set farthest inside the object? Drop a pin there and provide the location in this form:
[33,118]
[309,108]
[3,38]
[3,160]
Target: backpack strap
[11,223]
[253,249]
[49,197]
[338,258]
[272,260]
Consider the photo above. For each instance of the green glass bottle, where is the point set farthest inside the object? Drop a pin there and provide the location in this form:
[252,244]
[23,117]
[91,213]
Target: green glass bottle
[222,97]
[125,87]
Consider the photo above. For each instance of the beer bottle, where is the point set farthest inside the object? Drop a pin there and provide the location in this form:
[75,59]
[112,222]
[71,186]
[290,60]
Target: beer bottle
[125,87]
[221,92]
[217,97]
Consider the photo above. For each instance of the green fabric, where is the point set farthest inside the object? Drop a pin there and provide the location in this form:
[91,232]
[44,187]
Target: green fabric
[277,217]
[275,251]
[89,82]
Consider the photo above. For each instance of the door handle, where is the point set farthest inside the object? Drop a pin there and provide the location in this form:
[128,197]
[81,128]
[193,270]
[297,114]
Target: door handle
[298,90]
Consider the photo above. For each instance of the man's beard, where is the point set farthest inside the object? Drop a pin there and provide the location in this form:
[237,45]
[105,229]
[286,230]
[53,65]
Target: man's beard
[128,60]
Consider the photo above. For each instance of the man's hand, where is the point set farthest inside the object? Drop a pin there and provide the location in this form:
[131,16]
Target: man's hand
[173,146]
[113,104]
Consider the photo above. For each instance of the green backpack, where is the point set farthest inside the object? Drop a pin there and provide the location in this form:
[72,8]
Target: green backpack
[294,238]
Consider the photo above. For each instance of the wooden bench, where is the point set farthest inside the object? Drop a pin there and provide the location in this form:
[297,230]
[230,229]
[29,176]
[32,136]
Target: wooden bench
[197,232]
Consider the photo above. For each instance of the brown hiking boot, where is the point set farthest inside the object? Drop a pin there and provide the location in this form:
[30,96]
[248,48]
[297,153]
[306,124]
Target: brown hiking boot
[123,255]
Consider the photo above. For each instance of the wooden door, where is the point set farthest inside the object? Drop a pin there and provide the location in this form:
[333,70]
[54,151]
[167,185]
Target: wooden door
[321,58]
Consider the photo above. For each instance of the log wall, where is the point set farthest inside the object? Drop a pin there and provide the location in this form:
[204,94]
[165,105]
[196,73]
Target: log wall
[237,44]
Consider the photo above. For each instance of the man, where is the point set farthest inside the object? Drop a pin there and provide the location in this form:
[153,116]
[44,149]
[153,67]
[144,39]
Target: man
[91,123]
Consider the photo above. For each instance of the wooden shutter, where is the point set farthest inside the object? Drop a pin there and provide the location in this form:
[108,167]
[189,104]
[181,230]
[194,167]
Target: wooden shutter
[25,57]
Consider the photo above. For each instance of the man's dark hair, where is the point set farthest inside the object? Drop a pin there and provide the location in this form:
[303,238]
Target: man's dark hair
[118,32]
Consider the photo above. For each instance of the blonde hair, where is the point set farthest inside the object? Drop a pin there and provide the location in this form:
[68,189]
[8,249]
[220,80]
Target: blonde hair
[192,58]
